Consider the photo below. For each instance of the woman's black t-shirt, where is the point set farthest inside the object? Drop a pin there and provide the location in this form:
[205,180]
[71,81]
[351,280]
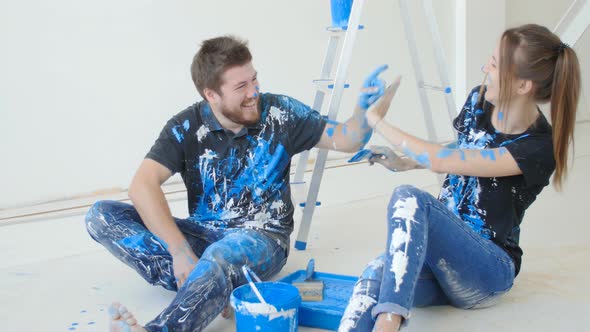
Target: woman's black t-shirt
[494,206]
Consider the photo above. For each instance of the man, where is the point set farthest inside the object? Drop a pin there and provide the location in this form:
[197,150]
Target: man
[233,150]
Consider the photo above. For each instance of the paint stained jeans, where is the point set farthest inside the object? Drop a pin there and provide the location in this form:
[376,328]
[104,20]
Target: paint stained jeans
[432,258]
[221,252]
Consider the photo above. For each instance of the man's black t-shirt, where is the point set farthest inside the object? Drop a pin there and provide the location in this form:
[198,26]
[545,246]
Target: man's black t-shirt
[239,180]
[494,207]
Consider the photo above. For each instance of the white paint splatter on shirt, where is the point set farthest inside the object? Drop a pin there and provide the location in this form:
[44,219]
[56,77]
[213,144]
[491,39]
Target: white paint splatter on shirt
[278,115]
[202,132]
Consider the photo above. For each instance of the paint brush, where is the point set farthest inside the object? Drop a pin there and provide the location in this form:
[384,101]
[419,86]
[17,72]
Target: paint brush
[310,290]
[365,154]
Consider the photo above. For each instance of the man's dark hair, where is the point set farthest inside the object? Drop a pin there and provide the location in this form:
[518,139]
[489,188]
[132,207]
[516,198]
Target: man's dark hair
[215,56]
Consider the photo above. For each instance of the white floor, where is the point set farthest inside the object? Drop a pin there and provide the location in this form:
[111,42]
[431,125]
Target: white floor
[53,277]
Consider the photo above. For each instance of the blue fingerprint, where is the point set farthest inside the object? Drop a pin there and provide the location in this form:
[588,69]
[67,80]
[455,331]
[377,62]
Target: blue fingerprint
[344,129]
[486,153]
[186,125]
[500,116]
[462,153]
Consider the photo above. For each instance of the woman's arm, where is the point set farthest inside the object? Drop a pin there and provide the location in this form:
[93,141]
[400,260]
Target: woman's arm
[438,158]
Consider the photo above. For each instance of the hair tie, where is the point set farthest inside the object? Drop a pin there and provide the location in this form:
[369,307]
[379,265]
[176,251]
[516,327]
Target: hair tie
[561,47]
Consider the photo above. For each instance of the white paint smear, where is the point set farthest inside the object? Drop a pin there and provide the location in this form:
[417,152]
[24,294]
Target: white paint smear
[256,309]
[405,210]
[359,304]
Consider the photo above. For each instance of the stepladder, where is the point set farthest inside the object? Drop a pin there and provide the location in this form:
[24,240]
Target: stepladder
[333,86]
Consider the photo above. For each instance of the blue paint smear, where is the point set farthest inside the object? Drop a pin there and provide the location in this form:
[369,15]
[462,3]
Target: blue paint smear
[186,125]
[91,323]
[366,138]
[255,95]
[488,154]
[502,151]
[330,131]
[177,133]
[143,243]
[445,153]
[500,116]
[422,158]
[344,129]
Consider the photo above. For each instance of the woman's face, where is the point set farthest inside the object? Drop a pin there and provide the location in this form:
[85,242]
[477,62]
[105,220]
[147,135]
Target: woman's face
[492,69]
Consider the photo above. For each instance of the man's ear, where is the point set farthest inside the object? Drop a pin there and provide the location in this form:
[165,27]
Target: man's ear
[525,87]
[211,96]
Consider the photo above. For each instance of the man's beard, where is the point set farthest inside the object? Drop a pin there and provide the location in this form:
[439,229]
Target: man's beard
[247,118]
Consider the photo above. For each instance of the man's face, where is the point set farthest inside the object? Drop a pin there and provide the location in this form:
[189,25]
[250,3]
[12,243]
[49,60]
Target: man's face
[239,95]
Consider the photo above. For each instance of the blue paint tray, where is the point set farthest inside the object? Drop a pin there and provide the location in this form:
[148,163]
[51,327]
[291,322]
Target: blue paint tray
[325,314]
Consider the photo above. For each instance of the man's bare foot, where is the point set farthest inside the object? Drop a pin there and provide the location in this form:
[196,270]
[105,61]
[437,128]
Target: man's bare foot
[122,320]
[387,322]
[227,312]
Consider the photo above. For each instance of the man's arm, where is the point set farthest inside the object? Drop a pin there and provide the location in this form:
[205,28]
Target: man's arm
[148,198]
[353,134]
[349,136]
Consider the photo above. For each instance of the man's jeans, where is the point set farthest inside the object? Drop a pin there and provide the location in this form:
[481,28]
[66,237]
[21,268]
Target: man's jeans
[221,252]
[432,258]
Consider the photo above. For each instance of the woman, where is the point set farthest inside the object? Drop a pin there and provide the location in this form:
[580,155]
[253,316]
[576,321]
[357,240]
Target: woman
[462,248]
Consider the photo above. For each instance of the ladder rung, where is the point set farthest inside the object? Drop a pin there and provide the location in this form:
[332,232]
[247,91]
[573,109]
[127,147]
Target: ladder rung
[342,29]
[328,83]
[446,90]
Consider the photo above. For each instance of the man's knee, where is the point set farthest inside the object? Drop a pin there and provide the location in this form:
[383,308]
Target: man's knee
[100,216]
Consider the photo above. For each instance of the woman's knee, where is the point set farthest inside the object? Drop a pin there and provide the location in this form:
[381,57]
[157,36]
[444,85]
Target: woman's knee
[405,191]
[374,270]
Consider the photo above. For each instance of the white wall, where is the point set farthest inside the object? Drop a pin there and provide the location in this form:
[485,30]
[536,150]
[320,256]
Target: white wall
[87,85]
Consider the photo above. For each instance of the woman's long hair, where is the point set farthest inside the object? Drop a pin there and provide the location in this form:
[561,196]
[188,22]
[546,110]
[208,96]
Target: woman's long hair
[532,52]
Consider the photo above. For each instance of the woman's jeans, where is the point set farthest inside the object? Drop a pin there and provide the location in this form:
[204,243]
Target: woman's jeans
[432,257]
[221,252]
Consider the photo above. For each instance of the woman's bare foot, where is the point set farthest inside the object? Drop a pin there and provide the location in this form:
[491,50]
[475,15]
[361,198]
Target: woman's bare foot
[122,320]
[387,322]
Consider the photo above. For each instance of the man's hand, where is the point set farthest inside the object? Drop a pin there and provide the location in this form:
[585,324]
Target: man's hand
[379,110]
[372,89]
[390,160]
[184,261]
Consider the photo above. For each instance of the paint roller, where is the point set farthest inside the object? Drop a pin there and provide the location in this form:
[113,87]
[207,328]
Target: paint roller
[310,289]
